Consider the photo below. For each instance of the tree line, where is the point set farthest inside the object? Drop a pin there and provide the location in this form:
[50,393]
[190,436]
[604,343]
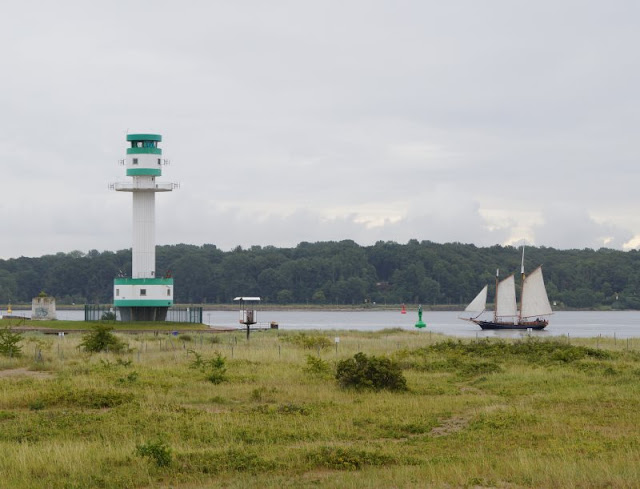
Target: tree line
[334,273]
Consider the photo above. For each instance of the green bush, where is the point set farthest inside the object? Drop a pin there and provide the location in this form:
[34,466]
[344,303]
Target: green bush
[531,350]
[68,396]
[293,408]
[37,405]
[370,372]
[108,316]
[317,366]
[214,368]
[157,450]
[308,341]
[102,339]
[129,379]
[9,340]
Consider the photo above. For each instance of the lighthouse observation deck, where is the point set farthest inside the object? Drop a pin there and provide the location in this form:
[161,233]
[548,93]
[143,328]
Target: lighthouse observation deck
[142,185]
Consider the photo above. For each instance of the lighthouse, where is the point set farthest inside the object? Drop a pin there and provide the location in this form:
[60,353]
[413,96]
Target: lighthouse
[144,296]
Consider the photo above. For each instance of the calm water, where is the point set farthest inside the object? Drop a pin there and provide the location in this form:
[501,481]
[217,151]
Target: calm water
[623,324]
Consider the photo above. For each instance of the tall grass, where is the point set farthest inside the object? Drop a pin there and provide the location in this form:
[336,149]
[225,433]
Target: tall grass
[476,414]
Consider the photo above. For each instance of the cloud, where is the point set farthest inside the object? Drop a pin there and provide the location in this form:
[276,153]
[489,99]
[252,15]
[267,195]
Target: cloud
[297,121]
[440,217]
[572,227]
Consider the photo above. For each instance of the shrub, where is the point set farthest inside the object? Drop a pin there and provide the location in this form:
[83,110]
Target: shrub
[531,350]
[108,316]
[9,340]
[214,368]
[258,394]
[317,366]
[308,342]
[198,362]
[157,450]
[478,368]
[37,405]
[129,379]
[292,408]
[79,398]
[102,339]
[370,372]
[217,376]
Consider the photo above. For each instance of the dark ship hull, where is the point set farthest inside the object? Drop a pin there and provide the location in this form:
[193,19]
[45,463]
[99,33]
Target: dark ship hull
[538,324]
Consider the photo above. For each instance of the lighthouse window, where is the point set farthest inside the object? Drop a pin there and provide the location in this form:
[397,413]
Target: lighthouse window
[135,161]
[117,292]
[168,291]
[159,161]
[143,291]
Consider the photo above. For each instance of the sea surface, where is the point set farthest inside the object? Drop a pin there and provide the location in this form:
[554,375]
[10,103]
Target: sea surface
[619,324]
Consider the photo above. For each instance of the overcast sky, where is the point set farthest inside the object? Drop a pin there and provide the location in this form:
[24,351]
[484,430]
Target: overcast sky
[483,122]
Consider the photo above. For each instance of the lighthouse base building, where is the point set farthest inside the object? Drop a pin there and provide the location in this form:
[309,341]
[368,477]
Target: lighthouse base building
[140,299]
[143,296]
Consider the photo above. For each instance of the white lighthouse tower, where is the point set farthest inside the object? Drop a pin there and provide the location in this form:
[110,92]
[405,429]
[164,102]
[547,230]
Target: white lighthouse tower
[144,296]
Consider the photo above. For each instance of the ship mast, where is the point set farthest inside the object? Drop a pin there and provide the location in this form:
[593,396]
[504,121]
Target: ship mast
[522,289]
[495,306]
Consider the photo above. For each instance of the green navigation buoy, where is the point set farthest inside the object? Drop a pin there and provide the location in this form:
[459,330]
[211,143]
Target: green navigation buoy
[420,323]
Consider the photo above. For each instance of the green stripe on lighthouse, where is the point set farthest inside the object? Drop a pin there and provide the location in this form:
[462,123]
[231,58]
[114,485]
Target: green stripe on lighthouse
[142,281]
[134,172]
[142,151]
[142,303]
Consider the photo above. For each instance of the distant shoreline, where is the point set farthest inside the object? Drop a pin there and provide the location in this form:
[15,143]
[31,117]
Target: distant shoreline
[319,307]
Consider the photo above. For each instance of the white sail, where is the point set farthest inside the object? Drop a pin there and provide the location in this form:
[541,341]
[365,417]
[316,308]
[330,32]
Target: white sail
[534,296]
[506,298]
[479,303]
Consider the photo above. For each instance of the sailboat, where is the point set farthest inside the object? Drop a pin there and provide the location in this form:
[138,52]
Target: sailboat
[534,303]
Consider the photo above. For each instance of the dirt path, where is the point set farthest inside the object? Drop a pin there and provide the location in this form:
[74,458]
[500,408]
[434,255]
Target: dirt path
[17,372]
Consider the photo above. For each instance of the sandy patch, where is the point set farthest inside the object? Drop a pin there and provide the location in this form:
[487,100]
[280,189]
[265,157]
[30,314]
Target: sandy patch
[17,372]
[450,426]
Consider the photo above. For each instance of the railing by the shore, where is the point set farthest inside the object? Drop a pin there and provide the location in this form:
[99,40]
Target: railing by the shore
[102,312]
[185,314]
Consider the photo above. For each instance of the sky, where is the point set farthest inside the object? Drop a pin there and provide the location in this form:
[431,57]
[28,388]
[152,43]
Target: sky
[486,122]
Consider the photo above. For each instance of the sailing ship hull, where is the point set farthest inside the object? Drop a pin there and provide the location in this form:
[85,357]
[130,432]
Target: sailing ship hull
[522,325]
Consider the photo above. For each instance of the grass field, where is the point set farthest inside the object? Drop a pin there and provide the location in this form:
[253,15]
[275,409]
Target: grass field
[213,410]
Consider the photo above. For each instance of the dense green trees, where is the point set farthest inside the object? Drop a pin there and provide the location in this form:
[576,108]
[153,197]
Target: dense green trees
[333,273]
